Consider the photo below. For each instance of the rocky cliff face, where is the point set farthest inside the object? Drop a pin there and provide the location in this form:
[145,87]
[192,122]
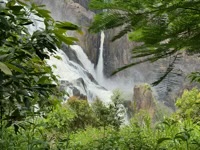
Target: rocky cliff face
[77,13]
[144,99]
[117,54]
[83,3]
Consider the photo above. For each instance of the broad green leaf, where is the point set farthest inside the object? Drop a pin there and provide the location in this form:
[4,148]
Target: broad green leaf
[26,52]
[14,67]
[59,31]
[22,3]
[67,26]
[44,80]
[44,13]
[24,92]
[182,137]
[16,9]
[4,23]
[136,35]
[65,39]
[5,69]
[162,140]
[3,56]
[10,3]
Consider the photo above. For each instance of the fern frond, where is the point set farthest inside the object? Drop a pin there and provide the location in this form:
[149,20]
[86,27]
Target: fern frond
[127,29]
[163,27]
[108,21]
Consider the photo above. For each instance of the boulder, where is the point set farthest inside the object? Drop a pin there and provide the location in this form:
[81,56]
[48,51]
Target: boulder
[144,100]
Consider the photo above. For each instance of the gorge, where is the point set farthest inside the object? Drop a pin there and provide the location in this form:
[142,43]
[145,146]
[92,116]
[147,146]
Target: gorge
[114,55]
[65,84]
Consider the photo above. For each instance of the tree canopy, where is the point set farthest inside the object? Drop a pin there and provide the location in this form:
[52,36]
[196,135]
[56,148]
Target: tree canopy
[26,81]
[164,28]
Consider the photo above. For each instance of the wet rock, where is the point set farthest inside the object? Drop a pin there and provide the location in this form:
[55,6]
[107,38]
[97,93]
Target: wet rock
[83,3]
[71,54]
[77,93]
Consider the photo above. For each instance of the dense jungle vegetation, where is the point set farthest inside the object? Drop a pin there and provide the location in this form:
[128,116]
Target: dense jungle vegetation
[32,116]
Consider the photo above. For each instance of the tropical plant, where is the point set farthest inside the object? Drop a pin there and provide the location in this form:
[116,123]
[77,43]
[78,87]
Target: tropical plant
[84,115]
[55,132]
[164,28]
[112,114]
[51,132]
[27,83]
[189,105]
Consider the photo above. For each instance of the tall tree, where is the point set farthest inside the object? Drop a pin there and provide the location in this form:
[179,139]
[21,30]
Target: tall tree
[164,28]
[26,81]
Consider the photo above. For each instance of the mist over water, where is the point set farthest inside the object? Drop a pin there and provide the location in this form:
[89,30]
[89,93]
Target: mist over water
[70,71]
[115,82]
[79,75]
[115,55]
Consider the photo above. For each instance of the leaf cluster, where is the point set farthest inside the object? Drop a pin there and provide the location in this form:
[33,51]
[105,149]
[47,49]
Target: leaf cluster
[55,132]
[164,28]
[27,83]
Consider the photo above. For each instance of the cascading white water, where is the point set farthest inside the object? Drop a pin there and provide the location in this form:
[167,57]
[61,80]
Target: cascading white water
[99,68]
[74,74]
[87,64]
[115,82]
[71,72]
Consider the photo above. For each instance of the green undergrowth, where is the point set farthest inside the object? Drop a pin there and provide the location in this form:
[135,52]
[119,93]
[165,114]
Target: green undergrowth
[76,125]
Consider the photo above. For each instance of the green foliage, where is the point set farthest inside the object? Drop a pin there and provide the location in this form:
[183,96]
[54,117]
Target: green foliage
[55,131]
[31,137]
[111,114]
[169,134]
[189,105]
[57,126]
[28,86]
[39,133]
[84,115]
[96,115]
[117,97]
[164,28]
[178,134]
[27,83]
[92,138]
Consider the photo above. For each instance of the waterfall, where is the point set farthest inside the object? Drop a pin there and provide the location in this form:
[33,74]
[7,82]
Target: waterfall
[73,76]
[71,72]
[99,68]
[88,65]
